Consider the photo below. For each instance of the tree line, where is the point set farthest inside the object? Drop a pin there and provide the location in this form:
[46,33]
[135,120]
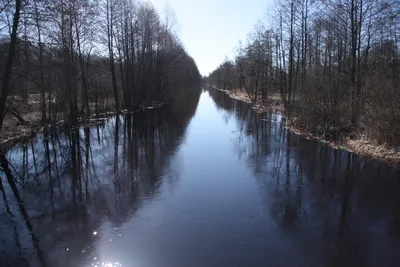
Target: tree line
[68,59]
[335,64]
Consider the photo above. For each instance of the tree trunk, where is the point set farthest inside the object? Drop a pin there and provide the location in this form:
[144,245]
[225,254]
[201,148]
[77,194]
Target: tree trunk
[5,87]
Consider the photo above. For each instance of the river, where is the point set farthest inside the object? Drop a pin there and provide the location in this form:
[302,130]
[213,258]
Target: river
[203,181]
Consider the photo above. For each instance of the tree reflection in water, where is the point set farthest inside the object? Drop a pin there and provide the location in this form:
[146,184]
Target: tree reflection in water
[318,196]
[66,183]
[71,193]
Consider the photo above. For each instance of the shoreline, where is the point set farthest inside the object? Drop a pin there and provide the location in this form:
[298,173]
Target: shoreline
[13,135]
[359,146]
[275,104]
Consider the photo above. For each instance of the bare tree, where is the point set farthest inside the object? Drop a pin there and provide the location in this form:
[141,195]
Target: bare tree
[335,64]
[5,86]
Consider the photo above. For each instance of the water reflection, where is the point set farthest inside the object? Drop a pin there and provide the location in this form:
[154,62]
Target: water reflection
[59,188]
[339,208]
[168,187]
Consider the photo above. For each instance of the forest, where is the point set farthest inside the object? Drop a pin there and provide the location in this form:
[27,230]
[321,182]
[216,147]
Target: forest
[334,63]
[68,60]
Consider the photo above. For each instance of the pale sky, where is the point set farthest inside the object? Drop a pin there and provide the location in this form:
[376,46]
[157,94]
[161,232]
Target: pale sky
[211,29]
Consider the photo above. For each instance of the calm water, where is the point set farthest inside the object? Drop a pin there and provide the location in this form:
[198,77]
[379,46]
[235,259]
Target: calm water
[201,182]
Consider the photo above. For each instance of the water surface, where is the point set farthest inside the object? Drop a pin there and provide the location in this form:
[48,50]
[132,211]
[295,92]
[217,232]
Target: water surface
[203,181]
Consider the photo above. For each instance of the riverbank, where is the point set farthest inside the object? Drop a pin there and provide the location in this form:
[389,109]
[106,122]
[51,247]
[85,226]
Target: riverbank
[27,122]
[358,145]
[274,102]
[14,131]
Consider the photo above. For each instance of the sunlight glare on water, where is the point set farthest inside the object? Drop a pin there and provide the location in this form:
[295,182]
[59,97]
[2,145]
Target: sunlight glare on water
[106,264]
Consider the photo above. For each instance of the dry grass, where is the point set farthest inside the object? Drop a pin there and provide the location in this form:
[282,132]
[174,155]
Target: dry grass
[14,131]
[360,145]
[274,102]
[390,155]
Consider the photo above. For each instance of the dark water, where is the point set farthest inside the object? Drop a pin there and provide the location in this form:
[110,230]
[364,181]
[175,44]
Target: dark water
[201,182]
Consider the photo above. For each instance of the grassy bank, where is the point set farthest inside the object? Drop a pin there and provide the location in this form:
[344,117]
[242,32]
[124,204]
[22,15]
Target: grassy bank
[356,143]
